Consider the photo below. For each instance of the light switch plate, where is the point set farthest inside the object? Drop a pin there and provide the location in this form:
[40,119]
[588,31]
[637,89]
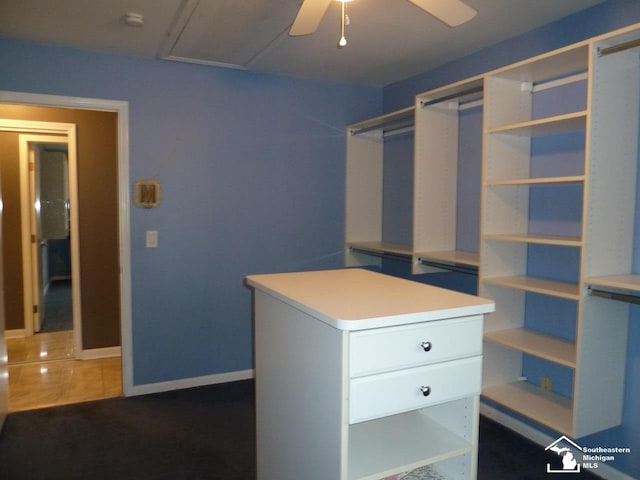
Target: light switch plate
[151,240]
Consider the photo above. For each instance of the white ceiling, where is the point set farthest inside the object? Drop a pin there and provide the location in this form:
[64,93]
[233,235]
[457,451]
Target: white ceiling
[388,40]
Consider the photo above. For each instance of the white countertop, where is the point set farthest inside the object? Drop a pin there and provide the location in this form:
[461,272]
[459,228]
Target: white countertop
[356,299]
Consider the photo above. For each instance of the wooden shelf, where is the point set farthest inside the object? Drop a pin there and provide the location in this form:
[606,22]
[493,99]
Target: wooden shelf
[629,282]
[546,408]
[542,346]
[545,126]
[561,241]
[554,288]
[375,452]
[536,181]
[452,256]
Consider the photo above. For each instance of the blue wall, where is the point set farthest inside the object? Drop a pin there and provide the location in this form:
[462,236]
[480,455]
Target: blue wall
[600,19]
[252,172]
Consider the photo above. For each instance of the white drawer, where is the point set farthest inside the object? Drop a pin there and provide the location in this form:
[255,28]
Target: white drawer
[396,392]
[385,349]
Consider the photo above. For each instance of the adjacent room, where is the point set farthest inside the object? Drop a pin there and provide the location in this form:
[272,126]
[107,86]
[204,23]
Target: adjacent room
[176,174]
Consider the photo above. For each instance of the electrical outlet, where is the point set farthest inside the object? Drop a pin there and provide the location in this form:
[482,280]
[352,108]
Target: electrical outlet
[546,384]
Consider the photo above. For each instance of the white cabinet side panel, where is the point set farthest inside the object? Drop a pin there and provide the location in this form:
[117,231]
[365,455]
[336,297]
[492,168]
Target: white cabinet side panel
[505,102]
[500,365]
[300,384]
[602,351]
[436,177]
[612,163]
[363,189]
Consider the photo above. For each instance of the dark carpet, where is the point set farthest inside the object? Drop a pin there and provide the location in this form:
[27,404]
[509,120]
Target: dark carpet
[58,310]
[199,433]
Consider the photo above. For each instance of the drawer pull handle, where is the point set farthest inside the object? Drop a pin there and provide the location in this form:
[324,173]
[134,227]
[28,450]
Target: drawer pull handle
[426,346]
[425,390]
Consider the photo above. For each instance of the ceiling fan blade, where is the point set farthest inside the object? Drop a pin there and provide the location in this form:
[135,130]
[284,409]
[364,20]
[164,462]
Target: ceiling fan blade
[309,17]
[450,12]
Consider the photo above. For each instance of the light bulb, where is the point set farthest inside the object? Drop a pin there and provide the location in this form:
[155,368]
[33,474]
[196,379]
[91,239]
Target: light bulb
[343,40]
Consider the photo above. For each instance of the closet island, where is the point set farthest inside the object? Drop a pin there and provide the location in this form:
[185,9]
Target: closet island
[361,375]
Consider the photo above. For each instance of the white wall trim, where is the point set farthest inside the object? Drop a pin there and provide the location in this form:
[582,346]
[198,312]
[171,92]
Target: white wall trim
[542,439]
[122,109]
[15,333]
[192,382]
[95,353]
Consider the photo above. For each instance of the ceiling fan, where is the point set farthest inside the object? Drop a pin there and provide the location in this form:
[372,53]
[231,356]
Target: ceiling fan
[450,12]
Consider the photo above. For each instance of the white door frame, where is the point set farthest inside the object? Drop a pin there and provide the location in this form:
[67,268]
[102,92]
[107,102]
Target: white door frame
[30,274]
[121,108]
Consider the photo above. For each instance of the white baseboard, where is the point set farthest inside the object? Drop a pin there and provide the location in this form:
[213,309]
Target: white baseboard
[542,439]
[191,382]
[95,353]
[15,333]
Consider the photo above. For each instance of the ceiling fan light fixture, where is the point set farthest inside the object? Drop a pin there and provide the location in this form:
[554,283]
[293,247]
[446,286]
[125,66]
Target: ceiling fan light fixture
[343,20]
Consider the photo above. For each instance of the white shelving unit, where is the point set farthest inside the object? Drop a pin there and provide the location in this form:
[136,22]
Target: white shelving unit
[608,117]
[436,174]
[364,191]
[571,251]
[435,177]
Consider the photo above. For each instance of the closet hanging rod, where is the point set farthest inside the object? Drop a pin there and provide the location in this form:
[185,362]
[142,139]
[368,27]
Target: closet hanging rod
[392,123]
[622,297]
[469,91]
[382,254]
[454,267]
[398,131]
[619,48]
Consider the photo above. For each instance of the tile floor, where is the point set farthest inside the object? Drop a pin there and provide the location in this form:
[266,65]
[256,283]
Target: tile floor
[43,373]
[40,347]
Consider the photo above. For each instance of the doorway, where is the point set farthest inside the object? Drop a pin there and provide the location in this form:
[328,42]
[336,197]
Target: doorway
[122,239]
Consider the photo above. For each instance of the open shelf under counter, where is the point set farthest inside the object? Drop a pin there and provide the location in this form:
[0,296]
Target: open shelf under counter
[375,451]
[542,346]
[546,408]
[558,240]
[573,179]
[568,122]
[554,288]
